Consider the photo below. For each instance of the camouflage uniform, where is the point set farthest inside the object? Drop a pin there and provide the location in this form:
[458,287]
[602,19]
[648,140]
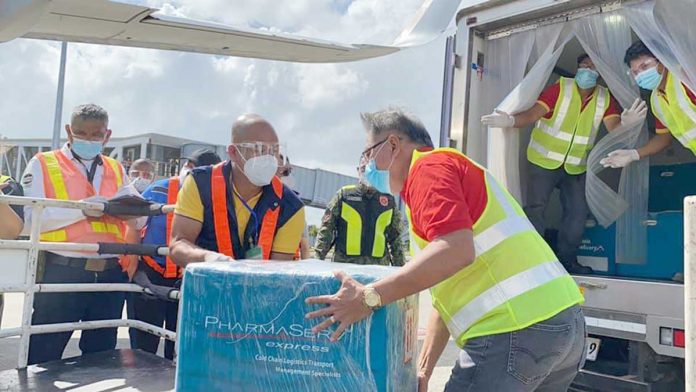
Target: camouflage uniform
[328,233]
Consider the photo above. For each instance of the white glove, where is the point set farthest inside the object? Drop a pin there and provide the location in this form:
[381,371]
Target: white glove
[94,213]
[498,119]
[214,256]
[635,114]
[620,158]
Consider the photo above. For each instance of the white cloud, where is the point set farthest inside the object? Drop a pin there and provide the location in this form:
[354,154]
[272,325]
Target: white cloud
[314,107]
[328,85]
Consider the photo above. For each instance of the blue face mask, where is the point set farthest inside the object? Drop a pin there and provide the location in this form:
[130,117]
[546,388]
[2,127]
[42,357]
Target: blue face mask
[586,78]
[378,179]
[86,149]
[649,79]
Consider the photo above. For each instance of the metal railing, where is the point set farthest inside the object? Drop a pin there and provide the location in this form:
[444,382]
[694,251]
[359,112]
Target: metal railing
[29,287]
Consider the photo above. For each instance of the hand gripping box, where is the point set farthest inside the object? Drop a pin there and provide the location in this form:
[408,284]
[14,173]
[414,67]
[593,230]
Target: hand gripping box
[242,328]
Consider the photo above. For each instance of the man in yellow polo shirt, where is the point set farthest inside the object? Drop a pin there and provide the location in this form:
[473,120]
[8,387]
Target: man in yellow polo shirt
[268,217]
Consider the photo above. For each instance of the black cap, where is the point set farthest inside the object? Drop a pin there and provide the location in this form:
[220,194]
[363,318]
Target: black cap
[203,157]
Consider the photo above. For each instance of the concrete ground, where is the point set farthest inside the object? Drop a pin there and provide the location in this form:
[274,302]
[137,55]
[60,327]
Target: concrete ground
[12,316]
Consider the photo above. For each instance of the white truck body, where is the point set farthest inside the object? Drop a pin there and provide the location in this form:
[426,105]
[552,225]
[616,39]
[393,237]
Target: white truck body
[627,309]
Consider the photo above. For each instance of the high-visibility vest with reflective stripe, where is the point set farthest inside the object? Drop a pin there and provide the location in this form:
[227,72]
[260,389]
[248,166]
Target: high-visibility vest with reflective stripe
[220,219]
[567,137]
[676,111]
[170,270]
[64,181]
[364,222]
[515,280]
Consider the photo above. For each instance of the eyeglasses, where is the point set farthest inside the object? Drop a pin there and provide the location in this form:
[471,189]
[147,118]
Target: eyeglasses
[644,66]
[258,148]
[141,174]
[367,153]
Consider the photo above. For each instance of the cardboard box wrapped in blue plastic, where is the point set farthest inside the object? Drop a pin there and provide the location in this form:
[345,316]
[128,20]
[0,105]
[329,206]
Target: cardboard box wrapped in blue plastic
[242,328]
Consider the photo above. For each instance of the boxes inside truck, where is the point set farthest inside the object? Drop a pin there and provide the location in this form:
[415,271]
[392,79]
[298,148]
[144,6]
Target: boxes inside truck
[669,184]
[242,327]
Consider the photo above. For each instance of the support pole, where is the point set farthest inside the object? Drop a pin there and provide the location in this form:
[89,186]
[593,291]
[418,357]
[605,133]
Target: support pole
[57,119]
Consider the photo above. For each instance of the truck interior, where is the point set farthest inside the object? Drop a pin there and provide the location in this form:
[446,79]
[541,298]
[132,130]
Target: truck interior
[668,180]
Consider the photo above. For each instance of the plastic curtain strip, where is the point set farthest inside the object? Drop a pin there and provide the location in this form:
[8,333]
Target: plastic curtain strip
[549,41]
[605,38]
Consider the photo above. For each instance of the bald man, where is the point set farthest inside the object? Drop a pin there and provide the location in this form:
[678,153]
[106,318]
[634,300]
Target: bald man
[238,209]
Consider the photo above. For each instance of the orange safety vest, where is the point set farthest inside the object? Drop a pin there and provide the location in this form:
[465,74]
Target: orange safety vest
[63,181]
[222,226]
[170,269]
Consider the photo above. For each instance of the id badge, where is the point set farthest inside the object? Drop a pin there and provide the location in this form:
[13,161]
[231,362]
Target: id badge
[254,253]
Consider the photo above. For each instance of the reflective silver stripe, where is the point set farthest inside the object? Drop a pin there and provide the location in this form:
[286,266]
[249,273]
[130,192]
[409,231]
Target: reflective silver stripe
[555,133]
[499,232]
[657,105]
[598,116]
[684,101]
[575,160]
[513,223]
[548,154]
[581,140]
[501,293]
[413,244]
[568,88]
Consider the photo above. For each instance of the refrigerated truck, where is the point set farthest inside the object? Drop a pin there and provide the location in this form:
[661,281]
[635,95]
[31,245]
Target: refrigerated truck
[635,326]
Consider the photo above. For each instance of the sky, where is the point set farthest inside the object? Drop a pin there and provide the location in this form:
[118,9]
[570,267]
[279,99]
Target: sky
[314,107]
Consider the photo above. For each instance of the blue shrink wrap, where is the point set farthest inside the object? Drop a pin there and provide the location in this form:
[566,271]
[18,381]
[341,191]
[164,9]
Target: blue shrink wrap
[242,328]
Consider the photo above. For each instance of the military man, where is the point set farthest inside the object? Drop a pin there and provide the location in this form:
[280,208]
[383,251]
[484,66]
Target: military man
[361,222]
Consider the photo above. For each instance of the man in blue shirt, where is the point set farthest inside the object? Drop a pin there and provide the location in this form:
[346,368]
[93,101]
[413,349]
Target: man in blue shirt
[161,270]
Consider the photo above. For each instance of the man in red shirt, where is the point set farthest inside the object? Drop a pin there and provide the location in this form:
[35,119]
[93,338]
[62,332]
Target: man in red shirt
[568,115]
[492,277]
[672,102]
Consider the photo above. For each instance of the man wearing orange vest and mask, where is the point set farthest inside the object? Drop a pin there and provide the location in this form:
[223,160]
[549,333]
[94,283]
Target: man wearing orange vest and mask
[161,270]
[238,209]
[497,287]
[77,171]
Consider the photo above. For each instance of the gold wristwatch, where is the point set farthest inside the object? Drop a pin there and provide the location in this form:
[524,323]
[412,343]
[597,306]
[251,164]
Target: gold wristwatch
[371,298]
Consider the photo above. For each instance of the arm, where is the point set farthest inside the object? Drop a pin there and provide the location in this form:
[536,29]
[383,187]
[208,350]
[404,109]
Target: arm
[305,250]
[658,143]
[612,122]
[434,344]
[182,248]
[441,258]
[10,224]
[187,225]
[396,247]
[132,236]
[530,116]
[327,232]
[288,237]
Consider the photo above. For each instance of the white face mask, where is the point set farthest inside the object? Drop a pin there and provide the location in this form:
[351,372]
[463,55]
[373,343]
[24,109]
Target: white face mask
[260,170]
[140,184]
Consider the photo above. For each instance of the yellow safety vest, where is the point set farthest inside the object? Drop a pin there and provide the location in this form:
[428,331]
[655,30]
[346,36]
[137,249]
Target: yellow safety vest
[364,222]
[676,111]
[515,280]
[567,137]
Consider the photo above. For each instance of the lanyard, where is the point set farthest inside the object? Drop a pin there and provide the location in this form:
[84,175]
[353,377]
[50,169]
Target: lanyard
[92,170]
[255,234]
